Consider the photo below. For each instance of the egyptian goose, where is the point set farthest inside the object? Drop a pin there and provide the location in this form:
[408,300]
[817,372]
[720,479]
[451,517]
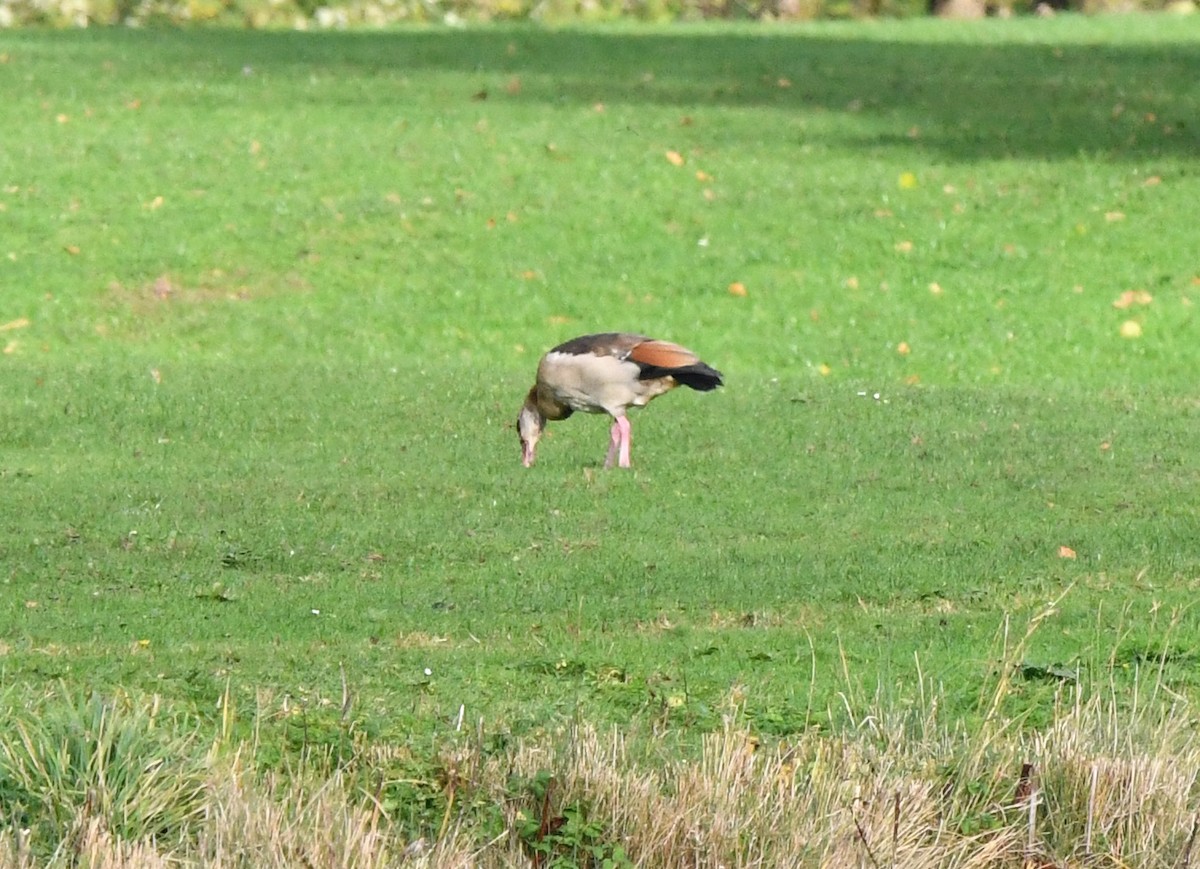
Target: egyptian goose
[607,373]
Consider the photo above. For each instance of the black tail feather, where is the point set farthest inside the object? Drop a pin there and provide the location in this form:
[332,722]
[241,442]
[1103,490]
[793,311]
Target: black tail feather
[698,376]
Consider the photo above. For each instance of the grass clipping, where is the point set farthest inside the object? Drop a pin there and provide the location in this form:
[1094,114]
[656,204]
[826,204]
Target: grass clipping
[1104,783]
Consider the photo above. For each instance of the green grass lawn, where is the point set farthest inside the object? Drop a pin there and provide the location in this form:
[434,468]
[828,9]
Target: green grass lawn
[270,301]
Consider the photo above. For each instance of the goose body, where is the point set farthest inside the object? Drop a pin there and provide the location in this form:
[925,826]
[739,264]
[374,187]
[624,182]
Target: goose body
[607,373]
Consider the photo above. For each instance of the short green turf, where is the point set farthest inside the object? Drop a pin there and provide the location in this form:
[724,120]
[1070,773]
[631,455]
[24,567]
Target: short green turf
[269,303]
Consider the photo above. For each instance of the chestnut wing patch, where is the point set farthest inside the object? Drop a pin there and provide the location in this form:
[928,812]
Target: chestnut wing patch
[662,355]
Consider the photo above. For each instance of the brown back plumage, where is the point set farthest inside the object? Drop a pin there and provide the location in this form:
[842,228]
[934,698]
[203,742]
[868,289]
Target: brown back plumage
[655,359]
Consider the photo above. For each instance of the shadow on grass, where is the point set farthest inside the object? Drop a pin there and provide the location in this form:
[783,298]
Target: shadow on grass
[968,101]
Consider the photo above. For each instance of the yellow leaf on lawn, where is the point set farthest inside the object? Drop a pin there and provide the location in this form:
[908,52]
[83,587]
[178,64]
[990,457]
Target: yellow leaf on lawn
[903,349]
[701,175]
[908,181]
[19,323]
[1131,329]
[737,288]
[935,289]
[1132,297]
[904,246]
[1066,552]
[1114,216]
[675,158]
[824,370]
[154,203]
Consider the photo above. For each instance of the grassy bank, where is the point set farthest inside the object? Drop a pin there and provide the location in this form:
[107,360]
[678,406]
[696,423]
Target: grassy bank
[270,302]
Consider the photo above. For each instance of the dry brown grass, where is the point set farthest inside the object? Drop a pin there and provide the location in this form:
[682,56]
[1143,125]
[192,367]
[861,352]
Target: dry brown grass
[1098,787]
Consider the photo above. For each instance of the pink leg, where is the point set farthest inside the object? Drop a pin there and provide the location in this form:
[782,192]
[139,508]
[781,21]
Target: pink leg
[614,444]
[626,442]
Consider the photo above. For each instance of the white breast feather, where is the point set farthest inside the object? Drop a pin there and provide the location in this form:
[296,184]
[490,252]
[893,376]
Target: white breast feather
[596,384]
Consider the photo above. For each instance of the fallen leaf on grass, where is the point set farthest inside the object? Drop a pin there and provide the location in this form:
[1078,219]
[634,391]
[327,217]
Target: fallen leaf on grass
[907,181]
[674,158]
[703,176]
[1132,297]
[1131,329]
[19,323]
[903,349]
[737,288]
[72,249]
[513,86]
[1066,552]
[904,247]
[935,289]
[1114,216]
[154,204]
[1152,181]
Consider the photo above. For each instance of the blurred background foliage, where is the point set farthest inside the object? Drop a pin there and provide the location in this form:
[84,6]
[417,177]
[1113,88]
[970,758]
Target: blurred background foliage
[325,14]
